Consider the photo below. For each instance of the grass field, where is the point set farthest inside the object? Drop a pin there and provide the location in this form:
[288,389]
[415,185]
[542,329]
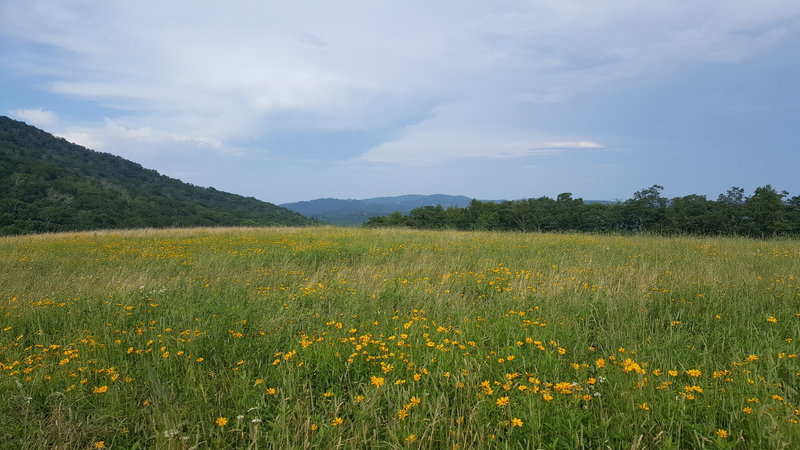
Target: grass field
[266,338]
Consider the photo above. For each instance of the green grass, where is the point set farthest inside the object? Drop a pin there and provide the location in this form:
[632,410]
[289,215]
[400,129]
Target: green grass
[392,338]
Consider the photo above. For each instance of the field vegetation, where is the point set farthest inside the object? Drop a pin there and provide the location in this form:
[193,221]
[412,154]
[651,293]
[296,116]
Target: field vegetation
[387,338]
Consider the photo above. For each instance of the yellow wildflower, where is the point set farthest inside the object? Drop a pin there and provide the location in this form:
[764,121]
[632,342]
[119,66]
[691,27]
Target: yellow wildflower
[377,381]
[600,363]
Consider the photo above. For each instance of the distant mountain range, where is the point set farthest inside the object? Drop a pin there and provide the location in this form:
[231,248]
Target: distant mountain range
[352,212]
[48,184]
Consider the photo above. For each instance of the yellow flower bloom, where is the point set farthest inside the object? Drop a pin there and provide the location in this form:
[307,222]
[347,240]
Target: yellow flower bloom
[377,381]
[221,421]
[100,389]
[630,365]
[337,421]
[411,438]
[502,401]
[516,422]
[600,363]
[100,444]
[722,433]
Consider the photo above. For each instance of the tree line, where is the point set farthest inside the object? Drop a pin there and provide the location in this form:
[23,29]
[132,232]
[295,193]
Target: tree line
[767,212]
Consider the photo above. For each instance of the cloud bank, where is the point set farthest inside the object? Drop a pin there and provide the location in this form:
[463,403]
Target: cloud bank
[436,82]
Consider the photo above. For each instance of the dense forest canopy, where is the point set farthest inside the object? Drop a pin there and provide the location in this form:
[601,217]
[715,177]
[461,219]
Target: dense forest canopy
[767,212]
[48,184]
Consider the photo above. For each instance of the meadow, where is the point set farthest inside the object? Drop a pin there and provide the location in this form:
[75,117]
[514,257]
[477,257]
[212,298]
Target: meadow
[329,337]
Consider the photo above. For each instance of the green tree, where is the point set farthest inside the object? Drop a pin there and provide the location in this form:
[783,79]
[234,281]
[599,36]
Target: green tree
[766,214]
[645,211]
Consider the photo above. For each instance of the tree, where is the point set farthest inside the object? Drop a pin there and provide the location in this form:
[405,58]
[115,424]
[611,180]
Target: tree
[691,214]
[766,213]
[432,217]
[645,211]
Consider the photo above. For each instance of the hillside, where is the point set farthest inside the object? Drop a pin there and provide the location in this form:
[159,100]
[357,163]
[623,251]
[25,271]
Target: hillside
[48,184]
[354,212]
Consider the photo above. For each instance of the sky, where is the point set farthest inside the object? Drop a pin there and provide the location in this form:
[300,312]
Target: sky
[296,100]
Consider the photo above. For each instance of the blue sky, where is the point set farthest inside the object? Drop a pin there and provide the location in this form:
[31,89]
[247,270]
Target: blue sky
[289,101]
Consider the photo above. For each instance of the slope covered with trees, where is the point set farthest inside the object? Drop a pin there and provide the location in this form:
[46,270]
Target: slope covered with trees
[767,212]
[48,184]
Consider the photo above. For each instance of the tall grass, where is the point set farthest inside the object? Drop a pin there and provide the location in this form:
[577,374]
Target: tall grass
[266,338]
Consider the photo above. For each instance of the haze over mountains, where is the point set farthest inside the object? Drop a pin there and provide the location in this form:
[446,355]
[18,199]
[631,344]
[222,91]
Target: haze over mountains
[48,184]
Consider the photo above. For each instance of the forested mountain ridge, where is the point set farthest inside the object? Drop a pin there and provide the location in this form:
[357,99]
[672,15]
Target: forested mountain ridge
[48,184]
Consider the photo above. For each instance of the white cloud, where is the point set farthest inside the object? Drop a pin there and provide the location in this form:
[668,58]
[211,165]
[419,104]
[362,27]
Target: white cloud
[425,147]
[574,145]
[88,140]
[447,78]
[36,116]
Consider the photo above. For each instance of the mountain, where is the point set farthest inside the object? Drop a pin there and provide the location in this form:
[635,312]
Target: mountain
[48,184]
[354,212]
